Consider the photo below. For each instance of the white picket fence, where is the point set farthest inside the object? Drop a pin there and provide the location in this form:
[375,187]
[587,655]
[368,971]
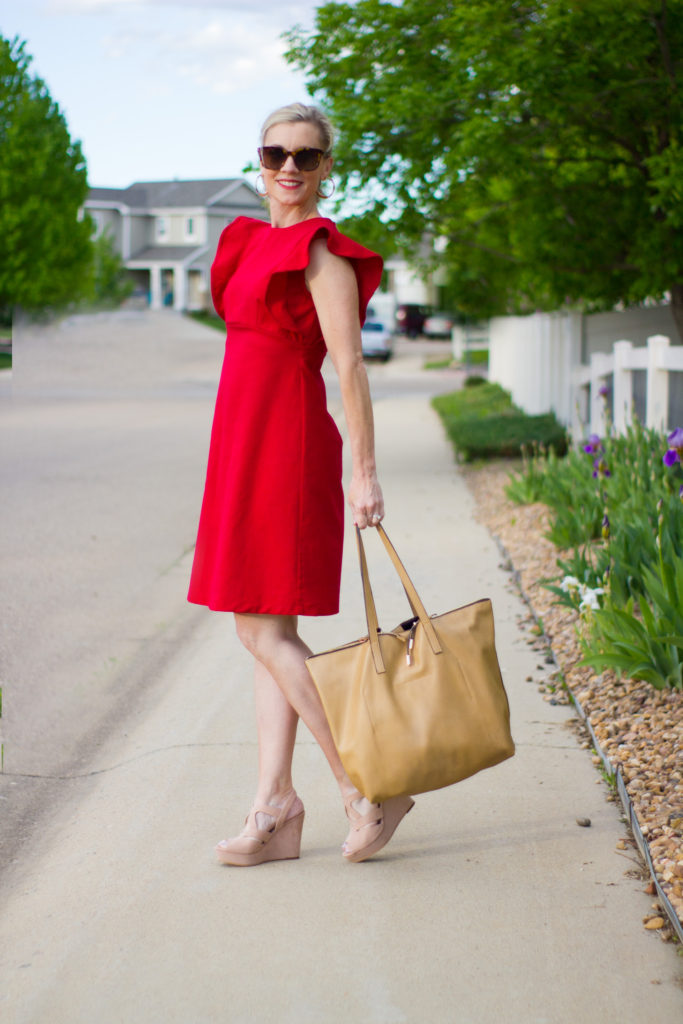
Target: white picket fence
[538,360]
[616,369]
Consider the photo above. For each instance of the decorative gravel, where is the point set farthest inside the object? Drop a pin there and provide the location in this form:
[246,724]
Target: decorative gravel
[640,729]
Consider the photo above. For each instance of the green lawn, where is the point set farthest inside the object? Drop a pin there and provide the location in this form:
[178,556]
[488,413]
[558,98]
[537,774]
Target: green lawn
[437,364]
[477,357]
[209,320]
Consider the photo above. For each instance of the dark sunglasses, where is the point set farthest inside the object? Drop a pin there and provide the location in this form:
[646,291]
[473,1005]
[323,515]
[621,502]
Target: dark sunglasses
[274,158]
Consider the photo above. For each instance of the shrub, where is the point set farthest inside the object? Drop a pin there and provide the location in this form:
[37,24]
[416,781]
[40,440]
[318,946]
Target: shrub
[483,400]
[504,436]
[483,423]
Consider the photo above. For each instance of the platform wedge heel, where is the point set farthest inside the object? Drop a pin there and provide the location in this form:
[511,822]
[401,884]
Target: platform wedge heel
[254,845]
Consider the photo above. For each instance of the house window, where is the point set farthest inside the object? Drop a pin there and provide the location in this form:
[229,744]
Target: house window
[162,228]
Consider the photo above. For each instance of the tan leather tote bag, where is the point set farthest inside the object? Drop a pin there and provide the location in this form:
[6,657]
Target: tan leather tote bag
[418,708]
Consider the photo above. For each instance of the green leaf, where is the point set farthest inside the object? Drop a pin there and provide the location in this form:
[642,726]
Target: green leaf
[542,141]
[45,248]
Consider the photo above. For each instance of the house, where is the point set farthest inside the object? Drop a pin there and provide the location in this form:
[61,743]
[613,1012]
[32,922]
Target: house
[167,232]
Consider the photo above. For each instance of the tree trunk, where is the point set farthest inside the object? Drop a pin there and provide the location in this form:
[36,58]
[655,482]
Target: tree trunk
[677,309]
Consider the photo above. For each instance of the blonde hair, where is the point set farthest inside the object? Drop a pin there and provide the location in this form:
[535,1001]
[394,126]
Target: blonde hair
[300,112]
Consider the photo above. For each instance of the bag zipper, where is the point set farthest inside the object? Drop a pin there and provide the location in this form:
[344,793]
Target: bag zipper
[410,645]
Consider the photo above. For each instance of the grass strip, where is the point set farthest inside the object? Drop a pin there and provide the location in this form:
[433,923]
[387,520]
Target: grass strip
[208,319]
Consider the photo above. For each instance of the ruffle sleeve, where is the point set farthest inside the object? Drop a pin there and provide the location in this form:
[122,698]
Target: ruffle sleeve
[230,247]
[366,264]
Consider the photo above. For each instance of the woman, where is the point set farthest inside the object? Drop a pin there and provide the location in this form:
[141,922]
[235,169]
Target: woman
[270,534]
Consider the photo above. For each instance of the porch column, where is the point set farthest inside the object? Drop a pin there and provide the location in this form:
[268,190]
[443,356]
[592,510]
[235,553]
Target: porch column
[179,286]
[155,287]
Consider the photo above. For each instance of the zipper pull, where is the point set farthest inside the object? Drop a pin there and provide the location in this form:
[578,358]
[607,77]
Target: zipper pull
[411,644]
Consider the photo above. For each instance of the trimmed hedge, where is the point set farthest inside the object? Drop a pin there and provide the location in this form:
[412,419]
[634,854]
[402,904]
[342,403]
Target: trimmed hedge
[483,423]
[486,399]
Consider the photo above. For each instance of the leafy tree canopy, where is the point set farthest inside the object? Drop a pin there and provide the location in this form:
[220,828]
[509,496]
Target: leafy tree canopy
[45,250]
[541,138]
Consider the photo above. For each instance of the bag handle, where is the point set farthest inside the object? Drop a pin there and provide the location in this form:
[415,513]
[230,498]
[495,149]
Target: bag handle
[411,593]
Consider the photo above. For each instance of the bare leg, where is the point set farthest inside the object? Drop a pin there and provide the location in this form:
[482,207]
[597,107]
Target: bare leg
[285,692]
[277,647]
[276,725]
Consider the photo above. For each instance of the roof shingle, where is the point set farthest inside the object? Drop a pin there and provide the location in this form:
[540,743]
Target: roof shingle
[152,194]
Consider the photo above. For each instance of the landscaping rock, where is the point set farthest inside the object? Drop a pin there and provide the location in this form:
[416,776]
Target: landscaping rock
[640,729]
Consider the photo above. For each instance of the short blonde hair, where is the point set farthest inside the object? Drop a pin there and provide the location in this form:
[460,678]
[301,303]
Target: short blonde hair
[300,112]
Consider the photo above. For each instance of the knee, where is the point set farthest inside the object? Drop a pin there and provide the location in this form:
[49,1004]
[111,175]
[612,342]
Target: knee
[247,633]
[260,634]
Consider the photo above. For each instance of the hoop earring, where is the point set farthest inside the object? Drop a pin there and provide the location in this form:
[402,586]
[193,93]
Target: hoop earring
[326,195]
[263,183]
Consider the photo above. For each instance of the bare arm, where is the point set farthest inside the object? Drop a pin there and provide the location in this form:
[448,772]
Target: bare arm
[332,283]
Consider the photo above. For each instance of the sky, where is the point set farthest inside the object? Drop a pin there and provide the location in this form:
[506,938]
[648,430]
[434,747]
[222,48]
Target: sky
[156,90]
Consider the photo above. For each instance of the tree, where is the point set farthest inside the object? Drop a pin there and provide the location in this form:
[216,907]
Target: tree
[542,139]
[112,283]
[45,250]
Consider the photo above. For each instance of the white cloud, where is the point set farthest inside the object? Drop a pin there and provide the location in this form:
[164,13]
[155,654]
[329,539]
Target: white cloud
[223,55]
[221,45]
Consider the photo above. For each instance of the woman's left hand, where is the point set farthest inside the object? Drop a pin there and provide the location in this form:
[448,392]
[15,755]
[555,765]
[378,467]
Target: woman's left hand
[366,501]
[333,286]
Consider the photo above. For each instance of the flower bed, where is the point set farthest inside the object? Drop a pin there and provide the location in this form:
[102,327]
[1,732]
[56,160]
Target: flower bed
[640,728]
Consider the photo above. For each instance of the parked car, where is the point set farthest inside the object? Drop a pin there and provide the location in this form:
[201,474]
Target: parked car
[376,339]
[410,319]
[439,325]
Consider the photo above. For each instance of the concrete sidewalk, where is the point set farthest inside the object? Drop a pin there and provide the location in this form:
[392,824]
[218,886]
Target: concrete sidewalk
[490,904]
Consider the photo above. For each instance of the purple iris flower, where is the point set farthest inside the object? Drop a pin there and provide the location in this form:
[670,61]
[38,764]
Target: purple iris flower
[593,445]
[675,451]
[604,390]
[600,468]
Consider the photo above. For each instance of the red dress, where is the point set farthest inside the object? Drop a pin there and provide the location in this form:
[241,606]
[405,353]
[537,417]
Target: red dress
[272,520]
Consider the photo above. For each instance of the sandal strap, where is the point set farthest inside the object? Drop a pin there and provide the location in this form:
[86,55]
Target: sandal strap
[358,820]
[262,835]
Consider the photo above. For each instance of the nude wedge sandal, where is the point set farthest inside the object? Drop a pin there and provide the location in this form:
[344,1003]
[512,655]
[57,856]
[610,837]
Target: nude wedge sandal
[372,831]
[282,841]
